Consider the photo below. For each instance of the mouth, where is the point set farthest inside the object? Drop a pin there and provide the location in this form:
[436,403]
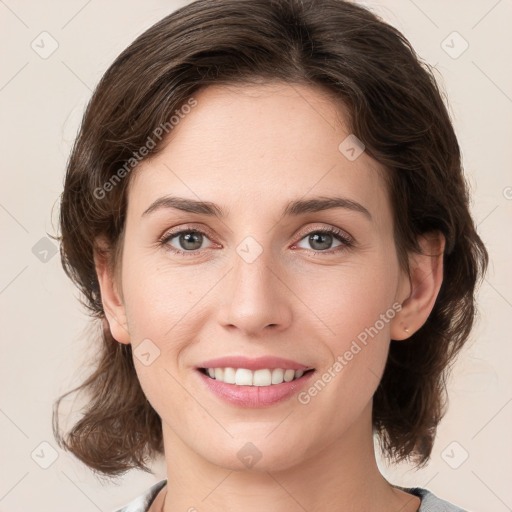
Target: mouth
[264,387]
[265,377]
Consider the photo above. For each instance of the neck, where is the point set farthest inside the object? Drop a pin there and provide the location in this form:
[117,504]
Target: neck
[342,476]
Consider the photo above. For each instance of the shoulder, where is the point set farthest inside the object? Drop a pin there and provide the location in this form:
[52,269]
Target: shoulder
[431,503]
[142,502]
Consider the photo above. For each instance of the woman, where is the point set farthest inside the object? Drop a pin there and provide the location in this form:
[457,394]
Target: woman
[266,209]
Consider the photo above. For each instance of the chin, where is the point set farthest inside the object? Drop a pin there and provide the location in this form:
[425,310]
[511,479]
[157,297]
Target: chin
[258,456]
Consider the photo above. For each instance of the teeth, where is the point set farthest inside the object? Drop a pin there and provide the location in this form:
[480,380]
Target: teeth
[245,377]
[277,376]
[229,376]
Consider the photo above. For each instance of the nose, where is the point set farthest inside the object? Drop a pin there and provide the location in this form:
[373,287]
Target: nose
[256,297]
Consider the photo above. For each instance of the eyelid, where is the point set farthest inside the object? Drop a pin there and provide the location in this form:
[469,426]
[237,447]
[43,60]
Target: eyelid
[185,228]
[347,237]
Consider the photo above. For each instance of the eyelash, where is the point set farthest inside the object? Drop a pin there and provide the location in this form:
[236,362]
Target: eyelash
[339,235]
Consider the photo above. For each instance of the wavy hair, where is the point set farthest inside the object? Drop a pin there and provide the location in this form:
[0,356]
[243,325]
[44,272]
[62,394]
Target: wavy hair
[393,105]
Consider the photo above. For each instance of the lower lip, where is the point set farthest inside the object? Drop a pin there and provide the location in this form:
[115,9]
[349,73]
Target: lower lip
[255,396]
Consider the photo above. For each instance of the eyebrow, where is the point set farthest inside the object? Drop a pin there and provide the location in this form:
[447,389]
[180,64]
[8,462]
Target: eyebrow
[294,208]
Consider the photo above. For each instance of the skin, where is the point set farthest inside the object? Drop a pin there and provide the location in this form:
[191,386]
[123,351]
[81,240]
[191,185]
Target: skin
[251,150]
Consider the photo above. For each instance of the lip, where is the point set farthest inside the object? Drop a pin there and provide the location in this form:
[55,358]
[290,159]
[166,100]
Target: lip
[254,396]
[259,363]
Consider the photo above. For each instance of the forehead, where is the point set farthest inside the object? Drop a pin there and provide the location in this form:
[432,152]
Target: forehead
[248,145]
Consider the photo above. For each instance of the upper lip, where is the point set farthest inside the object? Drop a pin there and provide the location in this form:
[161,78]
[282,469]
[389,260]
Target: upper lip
[258,363]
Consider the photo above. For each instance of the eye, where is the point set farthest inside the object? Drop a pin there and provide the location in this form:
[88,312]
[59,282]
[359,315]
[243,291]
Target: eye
[186,240]
[190,241]
[321,240]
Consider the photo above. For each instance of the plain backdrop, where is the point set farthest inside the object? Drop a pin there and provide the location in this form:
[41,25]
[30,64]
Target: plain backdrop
[52,55]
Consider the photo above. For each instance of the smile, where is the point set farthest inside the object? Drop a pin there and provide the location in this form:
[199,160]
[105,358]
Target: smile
[246,377]
[263,387]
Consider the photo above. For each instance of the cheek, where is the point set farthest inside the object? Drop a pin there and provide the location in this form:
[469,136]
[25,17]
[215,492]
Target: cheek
[356,306]
[162,309]
[349,299]
[160,300]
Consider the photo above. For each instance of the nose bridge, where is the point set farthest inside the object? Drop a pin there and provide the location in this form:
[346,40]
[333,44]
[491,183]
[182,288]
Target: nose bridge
[256,296]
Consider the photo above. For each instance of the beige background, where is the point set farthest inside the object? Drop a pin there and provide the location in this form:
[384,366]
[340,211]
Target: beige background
[44,337]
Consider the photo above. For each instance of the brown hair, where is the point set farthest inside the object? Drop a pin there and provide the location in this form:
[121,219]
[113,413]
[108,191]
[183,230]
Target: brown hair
[394,106]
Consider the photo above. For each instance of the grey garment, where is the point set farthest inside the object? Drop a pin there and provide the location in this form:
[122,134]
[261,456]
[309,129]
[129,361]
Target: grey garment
[141,503]
[429,502]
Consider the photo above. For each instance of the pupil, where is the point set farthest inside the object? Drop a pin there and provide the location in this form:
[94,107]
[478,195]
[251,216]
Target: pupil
[191,238]
[319,245]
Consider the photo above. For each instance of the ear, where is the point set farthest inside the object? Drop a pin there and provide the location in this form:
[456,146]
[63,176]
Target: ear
[424,282]
[111,298]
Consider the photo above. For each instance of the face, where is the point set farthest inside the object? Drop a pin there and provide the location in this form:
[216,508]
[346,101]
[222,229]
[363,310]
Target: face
[313,286]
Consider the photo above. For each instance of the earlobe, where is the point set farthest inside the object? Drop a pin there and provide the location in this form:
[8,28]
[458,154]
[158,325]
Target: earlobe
[426,277]
[111,298]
